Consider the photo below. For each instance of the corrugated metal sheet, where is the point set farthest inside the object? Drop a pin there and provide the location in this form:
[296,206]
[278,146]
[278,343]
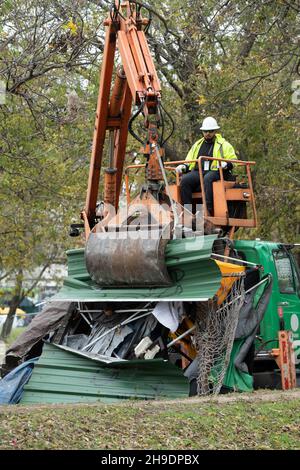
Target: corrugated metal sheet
[195,276]
[61,376]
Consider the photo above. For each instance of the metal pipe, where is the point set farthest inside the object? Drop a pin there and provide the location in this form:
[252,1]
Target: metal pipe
[115,327]
[181,336]
[110,186]
[246,292]
[127,188]
[237,260]
[117,93]
[111,149]
[88,322]
[110,173]
[229,303]
[173,205]
[115,311]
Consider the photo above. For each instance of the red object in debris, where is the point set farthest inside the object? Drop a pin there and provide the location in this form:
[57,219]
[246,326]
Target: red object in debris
[280,312]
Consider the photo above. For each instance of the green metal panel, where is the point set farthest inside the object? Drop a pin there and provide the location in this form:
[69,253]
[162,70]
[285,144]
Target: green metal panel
[65,377]
[194,275]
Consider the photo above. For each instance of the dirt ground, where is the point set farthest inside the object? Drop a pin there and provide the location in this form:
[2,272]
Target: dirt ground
[256,396]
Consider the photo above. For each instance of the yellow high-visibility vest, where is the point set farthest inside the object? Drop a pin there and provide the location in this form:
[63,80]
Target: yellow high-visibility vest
[222,149]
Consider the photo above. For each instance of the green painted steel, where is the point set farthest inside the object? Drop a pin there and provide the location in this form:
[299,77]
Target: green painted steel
[195,276]
[262,252]
[65,377]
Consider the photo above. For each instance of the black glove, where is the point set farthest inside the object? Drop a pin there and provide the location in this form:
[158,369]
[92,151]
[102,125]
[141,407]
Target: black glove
[227,166]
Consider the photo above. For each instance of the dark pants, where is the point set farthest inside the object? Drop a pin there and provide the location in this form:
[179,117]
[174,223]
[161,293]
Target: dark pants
[190,183]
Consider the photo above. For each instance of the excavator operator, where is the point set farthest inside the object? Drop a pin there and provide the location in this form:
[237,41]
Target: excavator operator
[211,144]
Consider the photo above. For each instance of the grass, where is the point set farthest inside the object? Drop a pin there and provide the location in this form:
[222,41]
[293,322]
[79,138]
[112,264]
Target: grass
[189,425]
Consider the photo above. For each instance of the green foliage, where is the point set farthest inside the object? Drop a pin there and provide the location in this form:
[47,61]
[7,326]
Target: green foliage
[14,335]
[237,61]
[46,127]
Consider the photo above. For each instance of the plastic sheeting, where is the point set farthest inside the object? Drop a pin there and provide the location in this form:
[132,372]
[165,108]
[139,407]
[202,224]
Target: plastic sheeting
[11,386]
[169,314]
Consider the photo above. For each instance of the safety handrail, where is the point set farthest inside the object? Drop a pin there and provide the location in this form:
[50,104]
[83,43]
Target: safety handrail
[241,163]
[169,166]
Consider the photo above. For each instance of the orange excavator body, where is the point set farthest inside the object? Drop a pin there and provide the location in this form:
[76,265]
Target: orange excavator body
[112,260]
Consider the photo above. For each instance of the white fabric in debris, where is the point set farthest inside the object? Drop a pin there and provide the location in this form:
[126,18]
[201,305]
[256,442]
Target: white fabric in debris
[169,314]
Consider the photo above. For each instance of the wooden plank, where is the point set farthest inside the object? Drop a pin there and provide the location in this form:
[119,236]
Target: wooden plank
[242,222]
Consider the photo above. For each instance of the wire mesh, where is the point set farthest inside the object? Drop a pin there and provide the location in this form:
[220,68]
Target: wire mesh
[215,331]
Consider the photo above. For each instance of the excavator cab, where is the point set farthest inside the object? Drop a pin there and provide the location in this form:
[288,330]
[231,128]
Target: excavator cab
[233,200]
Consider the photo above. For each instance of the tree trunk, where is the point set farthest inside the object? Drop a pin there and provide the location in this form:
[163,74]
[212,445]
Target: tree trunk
[14,303]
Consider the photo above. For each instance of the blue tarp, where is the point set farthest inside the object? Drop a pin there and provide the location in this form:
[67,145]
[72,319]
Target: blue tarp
[11,386]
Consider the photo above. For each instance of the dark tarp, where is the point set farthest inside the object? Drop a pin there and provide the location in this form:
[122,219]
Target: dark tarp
[251,314]
[48,320]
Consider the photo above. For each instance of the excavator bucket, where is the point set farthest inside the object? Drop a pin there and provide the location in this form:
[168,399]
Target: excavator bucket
[194,275]
[138,259]
[129,248]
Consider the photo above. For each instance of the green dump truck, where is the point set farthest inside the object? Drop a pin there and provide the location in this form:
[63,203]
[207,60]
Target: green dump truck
[283,310]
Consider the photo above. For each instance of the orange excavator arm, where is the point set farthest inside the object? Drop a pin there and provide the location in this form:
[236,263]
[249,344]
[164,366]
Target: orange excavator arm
[136,82]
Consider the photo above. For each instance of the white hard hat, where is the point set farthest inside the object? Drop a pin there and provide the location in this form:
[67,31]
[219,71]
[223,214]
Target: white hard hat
[209,124]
